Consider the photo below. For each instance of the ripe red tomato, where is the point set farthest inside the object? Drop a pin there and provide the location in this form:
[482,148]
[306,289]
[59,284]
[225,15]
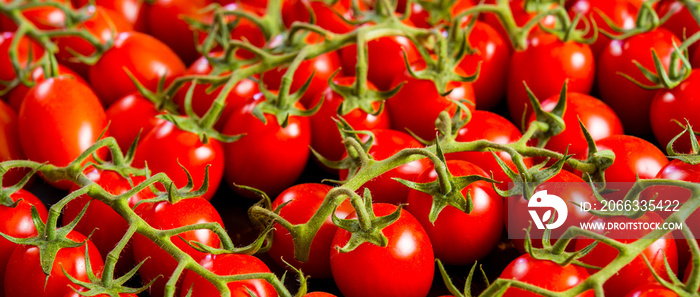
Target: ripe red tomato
[622,13]
[9,145]
[228,264]
[652,290]
[633,157]
[302,201]
[681,23]
[28,279]
[418,104]
[265,146]
[493,54]
[630,102]
[7,72]
[454,238]
[326,138]
[636,272]
[556,62]
[104,24]
[405,267]
[383,188]
[63,114]
[132,10]
[329,17]
[145,57]
[202,100]
[17,222]
[165,216]
[16,95]
[495,128]
[521,17]
[104,224]
[166,20]
[44,17]
[384,59]
[676,104]
[545,274]
[167,145]
[599,119]
[129,116]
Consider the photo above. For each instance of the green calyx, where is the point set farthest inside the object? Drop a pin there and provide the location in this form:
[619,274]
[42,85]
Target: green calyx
[647,20]
[567,29]
[678,70]
[693,157]
[557,253]
[357,149]
[466,292]
[553,121]
[360,97]
[524,183]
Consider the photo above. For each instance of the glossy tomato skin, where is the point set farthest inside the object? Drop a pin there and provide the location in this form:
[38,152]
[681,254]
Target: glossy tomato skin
[453,236]
[383,188]
[166,20]
[495,128]
[493,54]
[384,59]
[181,148]
[145,57]
[265,146]
[105,225]
[44,17]
[405,267]
[302,201]
[622,13]
[202,100]
[652,290]
[681,23]
[17,94]
[636,272]
[418,104]
[28,279]
[228,264]
[10,148]
[633,157]
[596,116]
[25,46]
[676,104]
[129,116]
[132,10]
[326,16]
[325,137]
[557,61]
[630,102]
[17,222]
[64,114]
[545,274]
[165,216]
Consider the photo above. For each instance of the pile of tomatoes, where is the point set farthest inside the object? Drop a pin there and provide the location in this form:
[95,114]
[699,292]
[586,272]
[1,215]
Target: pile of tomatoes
[203,147]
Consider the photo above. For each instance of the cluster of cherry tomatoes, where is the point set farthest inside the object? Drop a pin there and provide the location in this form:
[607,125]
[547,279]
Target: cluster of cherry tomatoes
[346,90]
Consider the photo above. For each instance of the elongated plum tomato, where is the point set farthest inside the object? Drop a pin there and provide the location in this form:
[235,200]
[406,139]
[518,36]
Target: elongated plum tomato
[556,61]
[17,222]
[636,272]
[63,114]
[28,279]
[105,226]
[495,128]
[299,203]
[630,102]
[147,58]
[132,115]
[326,138]
[544,274]
[181,148]
[265,146]
[10,148]
[405,267]
[228,264]
[164,216]
[383,188]
[454,238]
[676,104]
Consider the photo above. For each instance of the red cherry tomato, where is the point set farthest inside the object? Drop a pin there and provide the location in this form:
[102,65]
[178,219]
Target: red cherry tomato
[556,62]
[418,104]
[228,264]
[16,95]
[681,23]
[636,272]
[454,239]
[28,279]
[326,16]
[384,59]
[63,114]
[652,290]
[521,17]
[302,201]
[622,14]
[383,188]
[10,148]
[630,102]
[492,127]
[405,267]
[44,17]
[165,216]
[17,222]
[25,46]
[129,116]
[545,274]
[166,20]
[182,148]
[633,157]
[265,146]
[104,224]
[132,10]
[325,135]
[148,60]
[676,104]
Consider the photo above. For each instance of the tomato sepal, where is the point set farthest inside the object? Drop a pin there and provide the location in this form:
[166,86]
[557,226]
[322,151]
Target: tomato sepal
[693,157]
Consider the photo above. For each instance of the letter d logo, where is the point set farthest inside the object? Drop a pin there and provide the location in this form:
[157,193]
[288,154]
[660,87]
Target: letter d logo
[541,199]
